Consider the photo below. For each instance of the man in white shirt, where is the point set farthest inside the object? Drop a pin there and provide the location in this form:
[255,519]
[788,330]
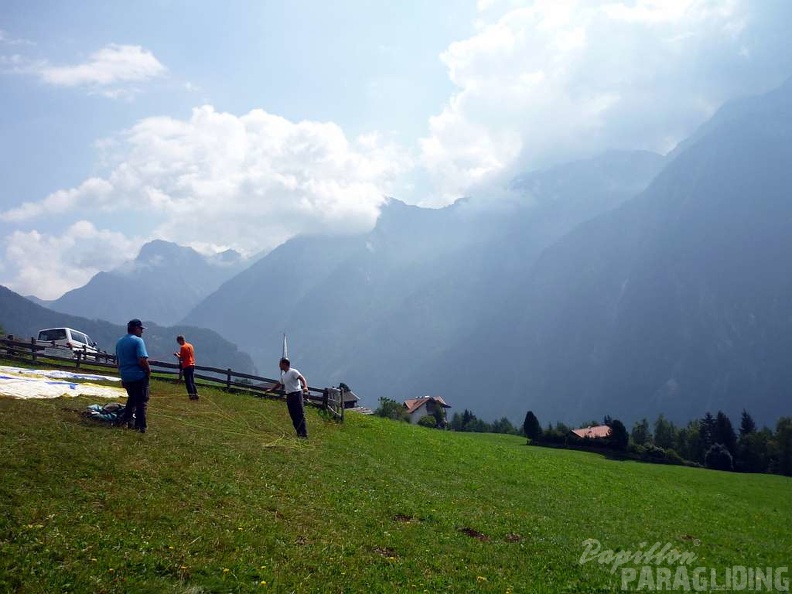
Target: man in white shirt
[294,384]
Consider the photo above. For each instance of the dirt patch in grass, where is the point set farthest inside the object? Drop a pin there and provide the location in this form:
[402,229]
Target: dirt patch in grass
[386,552]
[474,534]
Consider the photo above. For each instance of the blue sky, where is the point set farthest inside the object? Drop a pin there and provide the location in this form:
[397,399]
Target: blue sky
[243,123]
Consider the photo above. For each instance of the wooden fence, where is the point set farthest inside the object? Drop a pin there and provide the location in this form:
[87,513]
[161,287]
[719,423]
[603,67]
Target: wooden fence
[330,400]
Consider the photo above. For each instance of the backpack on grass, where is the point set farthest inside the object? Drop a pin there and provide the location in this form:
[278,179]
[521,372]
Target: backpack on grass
[108,413]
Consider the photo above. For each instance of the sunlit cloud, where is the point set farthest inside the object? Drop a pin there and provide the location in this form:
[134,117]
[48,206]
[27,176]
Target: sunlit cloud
[109,70]
[113,71]
[248,182]
[538,83]
[92,193]
[553,80]
[47,265]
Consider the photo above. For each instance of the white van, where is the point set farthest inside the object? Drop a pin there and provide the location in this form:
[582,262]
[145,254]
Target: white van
[67,338]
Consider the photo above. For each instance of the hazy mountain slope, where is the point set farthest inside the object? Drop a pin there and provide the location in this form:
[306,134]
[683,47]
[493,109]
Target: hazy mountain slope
[367,310]
[162,284]
[479,276]
[262,302]
[325,292]
[678,302]
[24,319]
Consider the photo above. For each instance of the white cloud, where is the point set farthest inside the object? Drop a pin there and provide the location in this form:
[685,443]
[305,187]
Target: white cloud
[6,39]
[47,265]
[669,11]
[540,82]
[552,80]
[19,64]
[252,181]
[112,71]
[93,193]
[110,65]
[249,182]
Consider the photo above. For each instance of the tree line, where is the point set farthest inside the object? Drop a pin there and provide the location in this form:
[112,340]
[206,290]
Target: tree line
[710,441]
[465,421]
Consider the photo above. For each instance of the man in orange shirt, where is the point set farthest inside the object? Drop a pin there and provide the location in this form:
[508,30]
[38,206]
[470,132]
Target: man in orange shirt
[186,357]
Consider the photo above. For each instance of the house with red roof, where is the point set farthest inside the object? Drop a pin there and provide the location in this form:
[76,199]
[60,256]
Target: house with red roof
[595,432]
[426,405]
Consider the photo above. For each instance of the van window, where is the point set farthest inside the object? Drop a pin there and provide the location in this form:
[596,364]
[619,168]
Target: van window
[79,337]
[54,334]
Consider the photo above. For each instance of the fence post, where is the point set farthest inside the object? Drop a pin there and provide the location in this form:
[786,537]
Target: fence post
[33,348]
[341,402]
[10,348]
[79,358]
[228,380]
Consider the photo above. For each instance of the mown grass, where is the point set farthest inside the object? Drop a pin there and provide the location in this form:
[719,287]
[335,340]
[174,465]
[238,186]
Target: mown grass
[219,496]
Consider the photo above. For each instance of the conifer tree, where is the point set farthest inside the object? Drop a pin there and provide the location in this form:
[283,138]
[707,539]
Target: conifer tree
[664,433]
[723,433]
[706,429]
[753,451]
[783,446]
[618,437]
[747,425]
[531,427]
[640,432]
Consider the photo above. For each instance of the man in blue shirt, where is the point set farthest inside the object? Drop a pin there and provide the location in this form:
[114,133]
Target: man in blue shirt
[133,366]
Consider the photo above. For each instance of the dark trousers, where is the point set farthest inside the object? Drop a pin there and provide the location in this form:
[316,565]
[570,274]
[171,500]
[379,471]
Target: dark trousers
[137,403]
[189,381]
[294,400]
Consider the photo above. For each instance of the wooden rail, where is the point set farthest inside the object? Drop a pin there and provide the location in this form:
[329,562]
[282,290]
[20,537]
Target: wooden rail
[330,400]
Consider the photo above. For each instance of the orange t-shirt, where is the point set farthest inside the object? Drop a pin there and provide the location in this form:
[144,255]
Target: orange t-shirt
[187,355]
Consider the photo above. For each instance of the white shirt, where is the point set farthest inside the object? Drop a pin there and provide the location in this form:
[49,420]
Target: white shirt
[291,381]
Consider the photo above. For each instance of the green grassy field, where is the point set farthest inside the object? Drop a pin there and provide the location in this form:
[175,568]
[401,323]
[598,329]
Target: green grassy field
[219,496]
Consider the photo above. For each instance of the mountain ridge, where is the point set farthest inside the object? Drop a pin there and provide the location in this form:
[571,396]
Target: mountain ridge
[23,318]
[163,282]
[367,309]
[629,285]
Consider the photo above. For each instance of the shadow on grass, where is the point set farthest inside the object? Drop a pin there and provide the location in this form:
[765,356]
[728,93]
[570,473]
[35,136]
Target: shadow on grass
[612,455]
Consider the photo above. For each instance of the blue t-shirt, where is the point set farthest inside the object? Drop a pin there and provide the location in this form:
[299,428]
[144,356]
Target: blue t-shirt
[129,349]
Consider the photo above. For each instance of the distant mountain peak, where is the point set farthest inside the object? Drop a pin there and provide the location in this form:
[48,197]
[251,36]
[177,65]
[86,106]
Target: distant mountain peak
[160,284]
[159,249]
[225,258]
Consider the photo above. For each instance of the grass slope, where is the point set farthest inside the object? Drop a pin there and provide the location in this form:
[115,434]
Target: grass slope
[219,496]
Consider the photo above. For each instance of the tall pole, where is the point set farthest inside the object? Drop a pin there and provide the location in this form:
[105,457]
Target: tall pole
[284,353]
